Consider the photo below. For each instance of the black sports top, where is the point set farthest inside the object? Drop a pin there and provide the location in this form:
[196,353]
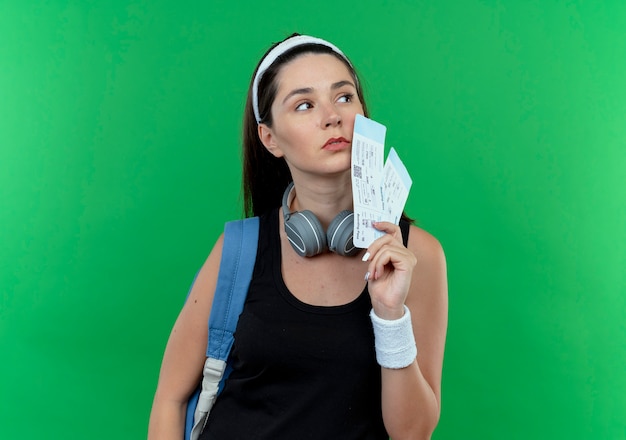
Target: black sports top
[299,371]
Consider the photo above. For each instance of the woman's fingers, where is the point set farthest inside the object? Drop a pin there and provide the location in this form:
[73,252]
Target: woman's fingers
[392,232]
[387,250]
[390,229]
[389,258]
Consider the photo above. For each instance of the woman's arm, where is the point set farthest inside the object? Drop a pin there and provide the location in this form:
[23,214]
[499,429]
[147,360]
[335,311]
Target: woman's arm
[411,396]
[185,353]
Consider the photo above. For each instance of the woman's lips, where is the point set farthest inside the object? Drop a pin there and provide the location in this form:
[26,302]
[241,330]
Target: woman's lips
[334,144]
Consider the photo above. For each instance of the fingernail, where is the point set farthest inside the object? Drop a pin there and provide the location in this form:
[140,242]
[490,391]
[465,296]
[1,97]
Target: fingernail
[366,256]
[367,276]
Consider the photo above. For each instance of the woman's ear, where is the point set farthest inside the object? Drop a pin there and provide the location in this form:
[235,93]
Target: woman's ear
[268,139]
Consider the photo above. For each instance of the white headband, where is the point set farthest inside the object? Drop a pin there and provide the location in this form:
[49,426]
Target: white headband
[277,51]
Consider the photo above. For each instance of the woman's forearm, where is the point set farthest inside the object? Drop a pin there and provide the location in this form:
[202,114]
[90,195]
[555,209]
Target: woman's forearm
[410,407]
[167,420]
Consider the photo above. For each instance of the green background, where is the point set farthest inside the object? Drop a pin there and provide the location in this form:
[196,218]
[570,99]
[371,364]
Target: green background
[119,163]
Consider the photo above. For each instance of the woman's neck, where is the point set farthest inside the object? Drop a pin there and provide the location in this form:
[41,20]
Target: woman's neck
[325,198]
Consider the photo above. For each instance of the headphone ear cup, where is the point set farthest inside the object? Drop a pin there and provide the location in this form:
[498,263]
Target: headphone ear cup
[305,233]
[340,232]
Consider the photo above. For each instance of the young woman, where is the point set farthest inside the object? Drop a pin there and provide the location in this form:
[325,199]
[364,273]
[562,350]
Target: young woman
[330,345]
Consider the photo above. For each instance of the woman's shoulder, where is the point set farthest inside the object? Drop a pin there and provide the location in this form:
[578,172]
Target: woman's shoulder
[425,245]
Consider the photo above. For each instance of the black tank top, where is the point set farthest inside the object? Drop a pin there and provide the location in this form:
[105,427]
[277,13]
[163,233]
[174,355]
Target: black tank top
[299,371]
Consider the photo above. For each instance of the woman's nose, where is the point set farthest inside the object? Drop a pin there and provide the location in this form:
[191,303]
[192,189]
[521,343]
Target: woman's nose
[332,118]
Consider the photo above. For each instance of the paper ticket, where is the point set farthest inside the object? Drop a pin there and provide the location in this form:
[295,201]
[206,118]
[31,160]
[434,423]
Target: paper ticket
[380,190]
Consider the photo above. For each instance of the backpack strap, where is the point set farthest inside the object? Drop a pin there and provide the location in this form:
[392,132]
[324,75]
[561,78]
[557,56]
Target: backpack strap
[238,258]
[235,272]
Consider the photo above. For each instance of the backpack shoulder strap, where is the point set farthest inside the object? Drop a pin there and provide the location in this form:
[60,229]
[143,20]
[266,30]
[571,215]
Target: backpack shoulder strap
[235,272]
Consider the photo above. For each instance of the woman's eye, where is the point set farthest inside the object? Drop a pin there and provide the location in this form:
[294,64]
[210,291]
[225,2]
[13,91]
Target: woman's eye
[346,98]
[303,106]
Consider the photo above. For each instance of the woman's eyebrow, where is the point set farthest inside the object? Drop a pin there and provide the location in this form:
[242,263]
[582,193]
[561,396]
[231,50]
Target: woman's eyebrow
[301,91]
[307,90]
[340,84]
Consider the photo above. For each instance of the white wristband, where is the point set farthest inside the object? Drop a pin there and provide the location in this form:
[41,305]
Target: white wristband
[394,341]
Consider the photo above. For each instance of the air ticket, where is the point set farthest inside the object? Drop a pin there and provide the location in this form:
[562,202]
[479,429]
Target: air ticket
[379,189]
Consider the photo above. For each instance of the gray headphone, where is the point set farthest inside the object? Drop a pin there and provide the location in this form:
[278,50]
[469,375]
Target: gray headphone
[307,237]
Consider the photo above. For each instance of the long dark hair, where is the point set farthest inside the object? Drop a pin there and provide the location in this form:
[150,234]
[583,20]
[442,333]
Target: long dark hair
[265,177]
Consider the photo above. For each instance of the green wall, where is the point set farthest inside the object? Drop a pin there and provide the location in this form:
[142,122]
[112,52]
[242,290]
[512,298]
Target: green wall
[119,163]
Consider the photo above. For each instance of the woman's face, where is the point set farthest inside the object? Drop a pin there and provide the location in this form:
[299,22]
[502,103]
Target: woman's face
[313,115]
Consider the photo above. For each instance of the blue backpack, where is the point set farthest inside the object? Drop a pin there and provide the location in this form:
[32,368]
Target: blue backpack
[235,273]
